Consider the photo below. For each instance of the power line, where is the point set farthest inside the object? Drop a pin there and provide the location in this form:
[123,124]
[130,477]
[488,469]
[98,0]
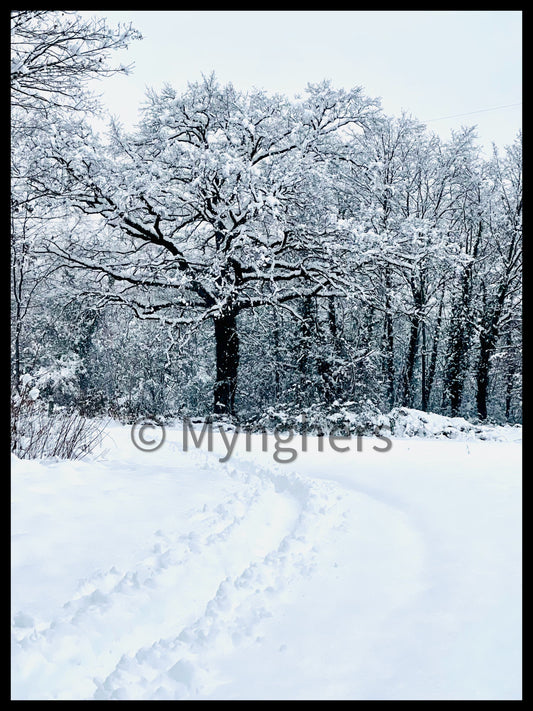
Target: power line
[469,113]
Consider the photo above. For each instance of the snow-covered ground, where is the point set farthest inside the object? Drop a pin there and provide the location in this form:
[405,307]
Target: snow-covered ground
[341,575]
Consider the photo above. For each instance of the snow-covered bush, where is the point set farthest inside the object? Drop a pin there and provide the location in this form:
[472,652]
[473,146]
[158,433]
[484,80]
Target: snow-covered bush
[58,379]
[337,418]
[348,419]
[37,433]
[408,422]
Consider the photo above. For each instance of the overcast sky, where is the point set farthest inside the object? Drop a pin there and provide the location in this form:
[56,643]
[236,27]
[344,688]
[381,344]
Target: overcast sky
[433,64]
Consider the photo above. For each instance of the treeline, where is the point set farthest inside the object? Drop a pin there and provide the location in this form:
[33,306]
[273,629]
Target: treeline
[240,251]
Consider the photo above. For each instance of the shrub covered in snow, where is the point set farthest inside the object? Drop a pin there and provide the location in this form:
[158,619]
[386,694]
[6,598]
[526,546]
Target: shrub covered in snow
[37,433]
[338,418]
[407,422]
[348,418]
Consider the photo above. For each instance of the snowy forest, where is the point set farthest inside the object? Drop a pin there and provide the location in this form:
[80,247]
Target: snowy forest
[242,253]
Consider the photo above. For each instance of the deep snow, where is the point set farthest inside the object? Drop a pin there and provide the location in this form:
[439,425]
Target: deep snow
[355,575]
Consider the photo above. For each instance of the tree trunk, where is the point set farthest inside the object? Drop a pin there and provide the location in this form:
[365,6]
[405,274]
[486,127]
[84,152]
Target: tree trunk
[406,385]
[16,364]
[509,386]
[277,358]
[509,379]
[460,339]
[304,345]
[487,345]
[332,322]
[488,339]
[329,352]
[227,356]
[423,359]
[458,358]
[433,357]
[483,369]
[388,343]
[406,389]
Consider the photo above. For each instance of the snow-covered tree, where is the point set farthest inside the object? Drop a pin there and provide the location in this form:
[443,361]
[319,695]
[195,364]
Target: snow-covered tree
[54,53]
[220,202]
[501,267]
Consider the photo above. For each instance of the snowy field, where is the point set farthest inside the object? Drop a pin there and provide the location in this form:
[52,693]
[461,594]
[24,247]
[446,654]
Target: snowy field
[353,575]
